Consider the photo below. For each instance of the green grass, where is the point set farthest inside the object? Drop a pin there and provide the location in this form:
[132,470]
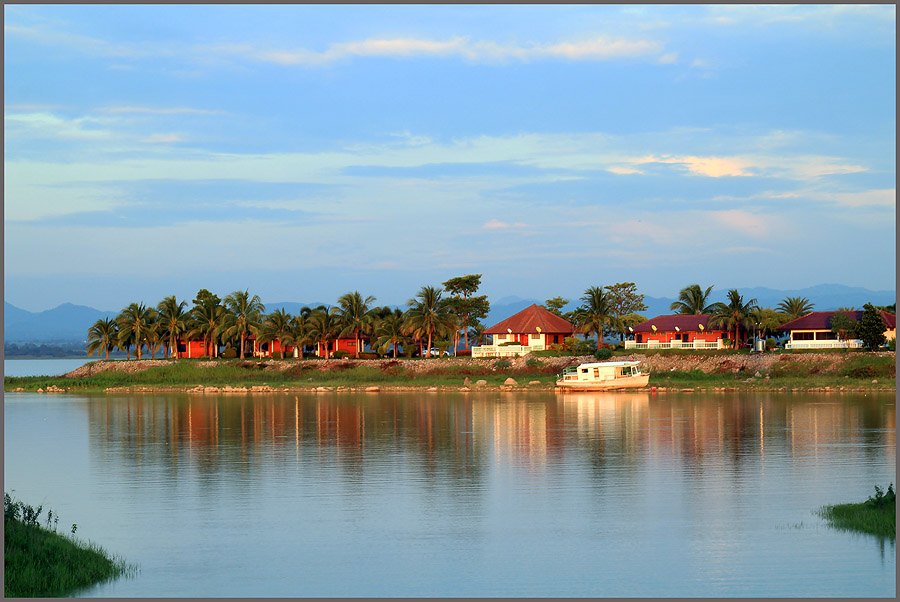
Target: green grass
[39,562]
[877,515]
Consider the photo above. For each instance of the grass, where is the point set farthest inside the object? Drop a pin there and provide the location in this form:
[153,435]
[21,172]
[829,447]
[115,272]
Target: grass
[39,562]
[877,515]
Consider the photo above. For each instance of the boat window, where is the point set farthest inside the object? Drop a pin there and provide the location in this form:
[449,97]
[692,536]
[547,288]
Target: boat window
[584,370]
[596,372]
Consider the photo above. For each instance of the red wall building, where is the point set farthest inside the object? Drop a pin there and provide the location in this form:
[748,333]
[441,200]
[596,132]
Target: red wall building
[681,331]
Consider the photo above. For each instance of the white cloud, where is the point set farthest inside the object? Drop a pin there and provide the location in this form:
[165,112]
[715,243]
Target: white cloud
[163,139]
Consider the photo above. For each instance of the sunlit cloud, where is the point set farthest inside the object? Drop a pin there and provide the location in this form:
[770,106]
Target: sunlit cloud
[163,139]
[624,170]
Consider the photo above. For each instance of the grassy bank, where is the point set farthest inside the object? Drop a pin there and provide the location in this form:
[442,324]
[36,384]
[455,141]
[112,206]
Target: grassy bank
[39,562]
[852,371]
[877,515]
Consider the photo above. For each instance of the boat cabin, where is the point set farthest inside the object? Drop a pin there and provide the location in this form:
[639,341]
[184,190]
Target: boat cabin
[601,371]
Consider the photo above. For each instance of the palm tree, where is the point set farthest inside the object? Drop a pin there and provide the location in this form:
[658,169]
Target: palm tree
[795,307]
[428,314]
[355,314]
[476,332]
[277,326]
[243,317]
[299,333]
[390,330]
[595,314]
[733,314]
[102,335]
[174,321]
[135,324]
[323,326]
[208,320]
[692,300]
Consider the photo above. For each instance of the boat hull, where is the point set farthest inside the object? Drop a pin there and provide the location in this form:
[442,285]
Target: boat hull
[627,382]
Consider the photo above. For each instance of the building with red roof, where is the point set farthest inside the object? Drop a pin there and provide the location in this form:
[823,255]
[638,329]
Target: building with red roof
[532,329]
[680,331]
[813,331]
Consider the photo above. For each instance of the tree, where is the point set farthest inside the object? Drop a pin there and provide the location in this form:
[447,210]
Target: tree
[323,326]
[208,319]
[428,314]
[389,330]
[555,305]
[594,315]
[843,326]
[277,326]
[692,300]
[733,314]
[355,315]
[624,301]
[135,323]
[464,304]
[476,333]
[871,328]
[795,307]
[102,335]
[767,319]
[173,320]
[243,316]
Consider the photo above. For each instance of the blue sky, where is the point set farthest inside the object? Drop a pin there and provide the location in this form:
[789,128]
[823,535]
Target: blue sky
[303,152]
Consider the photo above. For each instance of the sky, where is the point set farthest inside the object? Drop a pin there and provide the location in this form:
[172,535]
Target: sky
[302,152]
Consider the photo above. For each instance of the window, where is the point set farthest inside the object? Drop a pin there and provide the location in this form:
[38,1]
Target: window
[802,336]
[182,347]
[825,336]
[556,338]
[584,370]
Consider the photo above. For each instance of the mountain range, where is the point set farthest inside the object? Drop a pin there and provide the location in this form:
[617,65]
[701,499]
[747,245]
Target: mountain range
[69,323]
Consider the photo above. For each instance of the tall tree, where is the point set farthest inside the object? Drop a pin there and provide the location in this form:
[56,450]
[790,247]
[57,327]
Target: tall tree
[624,303]
[102,335]
[693,300]
[208,319]
[355,314]
[243,316]
[135,323]
[324,326]
[594,315]
[428,314]
[555,305]
[767,320]
[465,304]
[173,319]
[733,314]
[389,330]
[795,307]
[844,326]
[871,327]
[277,326]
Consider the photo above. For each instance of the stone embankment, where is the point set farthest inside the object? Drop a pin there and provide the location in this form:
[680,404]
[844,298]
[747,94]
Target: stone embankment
[658,362]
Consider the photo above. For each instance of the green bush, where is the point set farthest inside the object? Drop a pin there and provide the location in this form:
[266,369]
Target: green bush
[340,354]
[368,355]
[503,362]
[534,362]
[507,343]
[892,345]
[588,347]
[603,354]
[770,344]
[230,353]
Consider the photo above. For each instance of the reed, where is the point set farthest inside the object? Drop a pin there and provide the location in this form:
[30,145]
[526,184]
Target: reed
[877,515]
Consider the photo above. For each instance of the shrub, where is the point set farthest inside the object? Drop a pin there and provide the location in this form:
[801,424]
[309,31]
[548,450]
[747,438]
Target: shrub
[892,345]
[588,347]
[230,353]
[278,355]
[507,343]
[770,344]
[603,354]
[503,362]
[533,362]
[340,354]
[368,355]
[464,353]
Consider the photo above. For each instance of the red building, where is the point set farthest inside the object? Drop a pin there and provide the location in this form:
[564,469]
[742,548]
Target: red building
[532,329]
[681,331]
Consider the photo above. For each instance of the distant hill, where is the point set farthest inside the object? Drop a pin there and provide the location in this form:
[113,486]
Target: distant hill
[69,323]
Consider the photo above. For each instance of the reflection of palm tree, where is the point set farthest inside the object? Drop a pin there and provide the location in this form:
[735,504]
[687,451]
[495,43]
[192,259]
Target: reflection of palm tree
[243,315]
[428,314]
[595,314]
[174,321]
[209,317]
[795,307]
[692,300]
[733,314]
[323,327]
[355,314]
[135,324]
[102,335]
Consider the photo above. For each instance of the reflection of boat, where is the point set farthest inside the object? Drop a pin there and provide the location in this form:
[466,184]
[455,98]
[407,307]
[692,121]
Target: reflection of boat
[603,376]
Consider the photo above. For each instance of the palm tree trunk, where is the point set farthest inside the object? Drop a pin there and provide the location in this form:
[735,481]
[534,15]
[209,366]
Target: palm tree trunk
[394,345]
[242,345]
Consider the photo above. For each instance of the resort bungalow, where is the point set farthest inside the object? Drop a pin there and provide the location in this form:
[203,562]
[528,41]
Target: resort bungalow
[813,331]
[532,329]
[681,331]
[347,344]
[190,349]
[269,347]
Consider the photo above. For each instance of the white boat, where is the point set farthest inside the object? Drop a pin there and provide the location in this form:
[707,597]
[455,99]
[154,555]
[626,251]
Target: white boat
[603,376]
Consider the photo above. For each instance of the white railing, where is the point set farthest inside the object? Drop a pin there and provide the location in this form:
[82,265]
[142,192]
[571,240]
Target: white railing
[827,344]
[717,344]
[504,350]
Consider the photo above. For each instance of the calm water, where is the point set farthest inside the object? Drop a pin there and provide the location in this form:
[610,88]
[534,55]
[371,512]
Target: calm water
[45,367]
[495,494]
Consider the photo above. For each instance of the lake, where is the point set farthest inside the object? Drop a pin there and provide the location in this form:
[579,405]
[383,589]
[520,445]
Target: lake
[43,367]
[450,494]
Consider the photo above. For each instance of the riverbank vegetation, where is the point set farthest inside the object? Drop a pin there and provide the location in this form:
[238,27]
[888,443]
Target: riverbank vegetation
[39,562]
[877,515]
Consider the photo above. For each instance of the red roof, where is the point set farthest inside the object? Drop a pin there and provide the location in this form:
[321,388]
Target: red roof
[684,322]
[821,320]
[529,319]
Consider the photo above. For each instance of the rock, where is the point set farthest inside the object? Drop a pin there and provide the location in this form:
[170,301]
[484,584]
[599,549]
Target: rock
[431,389]
[464,389]
[40,390]
[467,382]
[874,381]
[757,375]
[534,382]
[480,383]
[373,389]
[510,382]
